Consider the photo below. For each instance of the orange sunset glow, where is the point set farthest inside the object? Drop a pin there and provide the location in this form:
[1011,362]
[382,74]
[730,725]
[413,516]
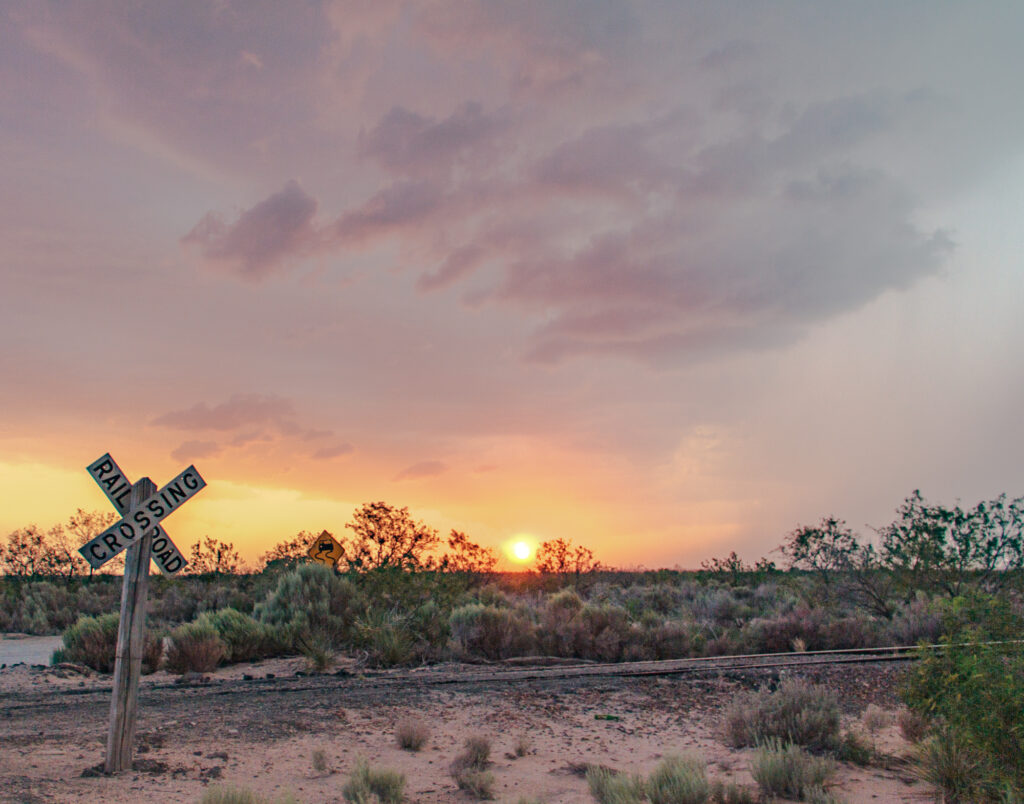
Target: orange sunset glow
[651,278]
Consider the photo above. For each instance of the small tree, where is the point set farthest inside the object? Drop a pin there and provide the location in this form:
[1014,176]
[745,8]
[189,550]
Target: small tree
[560,557]
[386,537]
[289,550]
[82,527]
[826,550]
[949,550]
[467,557]
[212,556]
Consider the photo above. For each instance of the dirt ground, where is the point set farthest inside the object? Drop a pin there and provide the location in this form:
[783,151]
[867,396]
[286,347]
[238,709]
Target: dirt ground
[241,728]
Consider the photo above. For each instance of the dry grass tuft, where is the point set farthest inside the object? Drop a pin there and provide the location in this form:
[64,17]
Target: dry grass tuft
[368,786]
[411,733]
[789,771]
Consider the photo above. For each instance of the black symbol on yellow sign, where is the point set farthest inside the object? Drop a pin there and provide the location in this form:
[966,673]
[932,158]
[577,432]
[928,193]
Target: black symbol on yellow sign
[326,550]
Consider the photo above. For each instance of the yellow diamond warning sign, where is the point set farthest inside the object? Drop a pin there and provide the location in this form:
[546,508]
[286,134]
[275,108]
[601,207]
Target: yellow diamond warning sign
[326,549]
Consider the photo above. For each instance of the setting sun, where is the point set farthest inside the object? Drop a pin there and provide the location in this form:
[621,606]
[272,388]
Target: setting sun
[521,551]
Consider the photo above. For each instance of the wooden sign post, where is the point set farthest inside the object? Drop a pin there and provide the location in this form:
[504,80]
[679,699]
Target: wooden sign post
[140,532]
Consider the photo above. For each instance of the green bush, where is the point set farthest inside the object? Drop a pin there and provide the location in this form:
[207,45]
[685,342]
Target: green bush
[310,605]
[92,641]
[789,771]
[387,637]
[368,786]
[244,638]
[195,648]
[490,631]
[975,692]
[797,712]
[679,780]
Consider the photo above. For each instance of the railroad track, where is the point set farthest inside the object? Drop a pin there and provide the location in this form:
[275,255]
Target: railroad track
[487,675]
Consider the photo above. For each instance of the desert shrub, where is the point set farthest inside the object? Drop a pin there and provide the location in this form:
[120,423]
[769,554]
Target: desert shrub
[92,641]
[244,638]
[478,783]
[913,725]
[951,764]
[797,712]
[412,733]
[609,787]
[429,625]
[975,692]
[319,760]
[669,640]
[788,770]
[195,647]
[366,785]
[309,604]
[679,780]
[240,795]
[523,746]
[853,748]
[490,631]
[917,621]
[468,769]
[387,637]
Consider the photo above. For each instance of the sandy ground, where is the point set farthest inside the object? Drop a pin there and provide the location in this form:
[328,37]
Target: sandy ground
[243,729]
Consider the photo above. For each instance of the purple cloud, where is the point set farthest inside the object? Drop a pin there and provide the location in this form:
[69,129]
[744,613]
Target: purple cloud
[241,410]
[405,141]
[263,237]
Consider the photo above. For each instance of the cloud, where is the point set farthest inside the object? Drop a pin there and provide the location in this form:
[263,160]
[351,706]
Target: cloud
[422,469]
[409,142]
[262,238]
[241,410]
[326,453]
[190,451]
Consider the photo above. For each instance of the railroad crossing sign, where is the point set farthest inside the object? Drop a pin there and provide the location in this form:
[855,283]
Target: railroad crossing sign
[141,518]
[326,550]
[142,506]
[118,488]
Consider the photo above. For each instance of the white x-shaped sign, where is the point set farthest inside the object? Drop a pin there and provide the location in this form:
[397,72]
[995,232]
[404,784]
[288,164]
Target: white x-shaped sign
[143,518]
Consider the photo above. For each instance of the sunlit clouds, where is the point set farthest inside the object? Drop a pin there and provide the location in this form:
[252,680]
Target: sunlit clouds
[663,279]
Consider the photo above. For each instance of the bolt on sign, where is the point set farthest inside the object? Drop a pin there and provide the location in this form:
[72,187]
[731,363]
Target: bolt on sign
[326,550]
[139,531]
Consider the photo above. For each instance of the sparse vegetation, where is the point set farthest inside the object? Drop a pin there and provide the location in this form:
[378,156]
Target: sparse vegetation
[787,770]
[523,745]
[679,780]
[367,785]
[469,768]
[412,733]
[798,713]
[319,760]
[610,787]
[241,795]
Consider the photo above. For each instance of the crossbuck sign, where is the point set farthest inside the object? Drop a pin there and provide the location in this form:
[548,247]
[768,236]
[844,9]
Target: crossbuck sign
[142,506]
[140,519]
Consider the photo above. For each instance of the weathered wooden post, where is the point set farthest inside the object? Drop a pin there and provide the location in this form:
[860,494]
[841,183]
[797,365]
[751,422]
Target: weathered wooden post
[131,639]
[141,534]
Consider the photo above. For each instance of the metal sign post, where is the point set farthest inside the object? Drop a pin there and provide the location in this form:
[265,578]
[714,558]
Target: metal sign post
[143,506]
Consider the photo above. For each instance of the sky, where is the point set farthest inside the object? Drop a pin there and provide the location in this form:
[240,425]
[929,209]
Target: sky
[666,279]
